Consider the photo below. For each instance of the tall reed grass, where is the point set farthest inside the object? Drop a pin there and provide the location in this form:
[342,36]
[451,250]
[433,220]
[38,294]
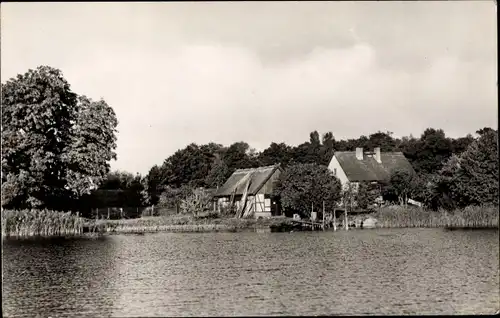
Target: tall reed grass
[469,217]
[24,223]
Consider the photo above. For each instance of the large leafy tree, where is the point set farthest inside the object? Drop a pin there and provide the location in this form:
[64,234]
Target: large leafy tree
[55,145]
[461,144]
[327,148]
[432,151]
[314,151]
[301,154]
[218,174]
[240,155]
[366,194]
[92,145]
[154,183]
[480,165]
[119,188]
[309,152]
[382,140]
[118,180]
[472,177]
[402,185]
[447,192]
[301,186]
[276,153]
[410,146]
[188,166]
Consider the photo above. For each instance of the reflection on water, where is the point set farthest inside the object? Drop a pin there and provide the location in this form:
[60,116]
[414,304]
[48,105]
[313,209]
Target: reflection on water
[398,271]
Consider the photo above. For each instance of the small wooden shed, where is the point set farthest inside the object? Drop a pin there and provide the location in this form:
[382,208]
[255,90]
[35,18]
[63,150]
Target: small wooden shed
[250,190]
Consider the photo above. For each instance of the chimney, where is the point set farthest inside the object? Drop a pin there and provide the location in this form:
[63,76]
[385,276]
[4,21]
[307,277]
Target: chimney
[377,154]
[359,153]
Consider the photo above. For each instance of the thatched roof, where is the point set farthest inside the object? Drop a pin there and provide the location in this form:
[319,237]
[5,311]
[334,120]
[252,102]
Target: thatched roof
[368,169]
[259,177]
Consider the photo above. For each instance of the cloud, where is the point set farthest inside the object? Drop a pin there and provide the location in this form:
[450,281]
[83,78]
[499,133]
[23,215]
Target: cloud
[207,72]
[203,93]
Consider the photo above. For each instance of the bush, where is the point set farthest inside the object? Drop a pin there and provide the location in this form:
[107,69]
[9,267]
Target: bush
[40,223]
[198,201]
[209,215]
[171,198]
[227,211]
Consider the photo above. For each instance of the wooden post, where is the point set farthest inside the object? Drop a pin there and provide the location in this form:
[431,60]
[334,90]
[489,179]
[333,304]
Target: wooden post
[79,229]
[97,213]
[108,213]
[323,215]
[346,225]
[334,219]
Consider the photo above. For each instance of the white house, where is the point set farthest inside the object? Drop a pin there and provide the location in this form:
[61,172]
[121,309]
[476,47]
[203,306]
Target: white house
[374,166]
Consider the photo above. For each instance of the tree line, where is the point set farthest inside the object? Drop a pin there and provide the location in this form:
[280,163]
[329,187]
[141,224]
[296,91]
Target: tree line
[433,155]
[57,145]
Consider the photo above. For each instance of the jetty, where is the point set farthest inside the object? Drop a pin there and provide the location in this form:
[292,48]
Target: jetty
[309,224]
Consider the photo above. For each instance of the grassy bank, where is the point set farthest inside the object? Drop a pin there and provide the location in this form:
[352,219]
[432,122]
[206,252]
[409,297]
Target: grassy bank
[469,217]
[186,223]
[32,223]
[25,223]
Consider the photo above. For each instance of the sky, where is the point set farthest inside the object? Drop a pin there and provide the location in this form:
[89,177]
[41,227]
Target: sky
[262,72]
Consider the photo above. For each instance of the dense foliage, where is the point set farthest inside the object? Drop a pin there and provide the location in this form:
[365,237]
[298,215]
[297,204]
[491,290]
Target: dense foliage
[303,187]
[196,202]
[468,178]
[210,165]
[56,145]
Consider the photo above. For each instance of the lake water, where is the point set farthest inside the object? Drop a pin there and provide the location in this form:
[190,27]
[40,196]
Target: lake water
[397,271]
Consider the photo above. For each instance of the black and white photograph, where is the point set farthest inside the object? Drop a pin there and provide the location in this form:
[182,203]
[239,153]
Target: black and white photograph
[249,158]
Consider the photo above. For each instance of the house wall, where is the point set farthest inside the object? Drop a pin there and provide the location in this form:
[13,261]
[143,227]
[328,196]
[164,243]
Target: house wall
[262,206]
[261,203]
[337,170]
[223,201]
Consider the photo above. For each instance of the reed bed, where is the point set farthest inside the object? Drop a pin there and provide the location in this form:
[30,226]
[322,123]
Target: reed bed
[26,223]
[469,217]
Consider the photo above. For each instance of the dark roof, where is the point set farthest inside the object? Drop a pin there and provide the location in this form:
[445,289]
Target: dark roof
[369,169]
[236,180]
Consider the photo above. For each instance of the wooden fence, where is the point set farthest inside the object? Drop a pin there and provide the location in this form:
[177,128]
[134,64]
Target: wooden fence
[114,213]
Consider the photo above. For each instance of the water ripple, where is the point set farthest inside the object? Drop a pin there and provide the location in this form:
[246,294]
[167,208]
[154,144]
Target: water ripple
[415,271]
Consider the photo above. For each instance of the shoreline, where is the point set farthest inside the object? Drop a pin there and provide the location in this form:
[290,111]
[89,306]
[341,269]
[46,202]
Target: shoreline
[37,223]
[222,228]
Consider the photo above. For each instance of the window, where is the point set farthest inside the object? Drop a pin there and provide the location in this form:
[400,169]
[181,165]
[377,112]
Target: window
[335,171]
